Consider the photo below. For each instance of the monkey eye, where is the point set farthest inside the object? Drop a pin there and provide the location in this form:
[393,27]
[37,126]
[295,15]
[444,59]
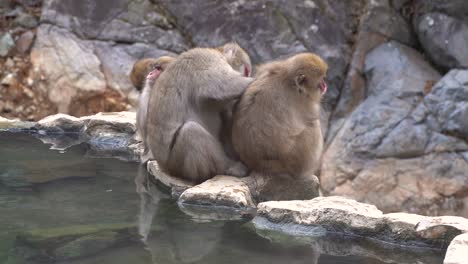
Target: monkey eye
[158,67]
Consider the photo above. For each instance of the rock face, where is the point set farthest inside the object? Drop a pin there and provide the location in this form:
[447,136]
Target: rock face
[110,36]
[456,252]
[403,147]
[444,39]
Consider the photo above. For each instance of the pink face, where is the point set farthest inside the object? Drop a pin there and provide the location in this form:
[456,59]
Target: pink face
[154,74]
[323,87]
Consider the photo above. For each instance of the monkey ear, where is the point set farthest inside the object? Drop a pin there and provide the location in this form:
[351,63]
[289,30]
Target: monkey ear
[230,50]
[300,79]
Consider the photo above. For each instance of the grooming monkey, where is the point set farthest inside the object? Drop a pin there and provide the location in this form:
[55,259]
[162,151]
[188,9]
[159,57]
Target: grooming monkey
[185,112]
[150,69]
[276,127]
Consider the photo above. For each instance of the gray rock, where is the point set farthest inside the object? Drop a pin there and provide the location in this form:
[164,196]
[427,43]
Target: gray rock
[334,213]
[176,186]
[26,20]
[221,190]
[392,149]
[6,124]
[121,21]
[108,134]
[54,56]
[456,252]
[455,8]
[282,189]
[374,29]
[24,42]
[6,44]
[442,228]
[444,39]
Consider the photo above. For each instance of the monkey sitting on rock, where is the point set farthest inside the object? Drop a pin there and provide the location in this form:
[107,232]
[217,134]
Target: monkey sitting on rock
[185,112]
[276,127]
[144,74]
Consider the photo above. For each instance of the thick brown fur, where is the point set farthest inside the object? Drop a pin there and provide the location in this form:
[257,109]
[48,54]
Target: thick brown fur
[276,129]
[140,70]
[185,113]
[158,65]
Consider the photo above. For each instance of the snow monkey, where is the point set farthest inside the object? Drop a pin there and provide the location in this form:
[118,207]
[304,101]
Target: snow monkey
[185,112]
[276,126]
[155,67]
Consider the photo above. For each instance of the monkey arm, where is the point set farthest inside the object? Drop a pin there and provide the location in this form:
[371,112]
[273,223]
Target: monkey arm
[226,88]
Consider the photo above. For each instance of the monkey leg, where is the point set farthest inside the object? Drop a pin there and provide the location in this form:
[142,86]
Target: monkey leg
[197,155]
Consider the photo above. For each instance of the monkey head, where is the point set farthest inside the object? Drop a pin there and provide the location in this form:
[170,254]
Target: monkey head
[157,66]
[143,67]
[308,72]
[237,58]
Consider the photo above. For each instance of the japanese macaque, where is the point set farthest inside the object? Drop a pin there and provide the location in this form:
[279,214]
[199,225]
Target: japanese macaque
[185,112]
[156,67]
[140,71]
[276,126]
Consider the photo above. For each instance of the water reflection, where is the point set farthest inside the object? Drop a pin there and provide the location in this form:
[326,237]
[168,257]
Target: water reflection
[71,208]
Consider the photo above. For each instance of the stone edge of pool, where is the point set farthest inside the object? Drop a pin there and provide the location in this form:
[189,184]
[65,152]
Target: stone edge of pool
[115,132]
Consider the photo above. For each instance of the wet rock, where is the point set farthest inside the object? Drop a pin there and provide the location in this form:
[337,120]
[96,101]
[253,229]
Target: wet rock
[26,20]
[24,42]
[391,151]
[221,190]
[444,39]
[334,213]
[456,252]
[442,228]
[6,44]
[61,122]
[176,186]
[14,124]
[282,188]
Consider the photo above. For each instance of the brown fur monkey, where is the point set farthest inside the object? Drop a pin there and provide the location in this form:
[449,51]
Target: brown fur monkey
[276,128]
[185,112]
[157,66]
[140,71]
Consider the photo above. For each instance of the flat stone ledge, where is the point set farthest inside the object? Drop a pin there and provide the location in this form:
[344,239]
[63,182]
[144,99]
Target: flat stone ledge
[221,190]
[175,185]
[6,124]
[457,252]
[342,215]
[335,213]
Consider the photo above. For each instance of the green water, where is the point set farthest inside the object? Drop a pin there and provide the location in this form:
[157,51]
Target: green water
[72,207]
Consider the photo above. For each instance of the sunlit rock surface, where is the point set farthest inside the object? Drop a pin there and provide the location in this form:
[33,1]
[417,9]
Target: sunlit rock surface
[457,250]
[342,215]
[219,191]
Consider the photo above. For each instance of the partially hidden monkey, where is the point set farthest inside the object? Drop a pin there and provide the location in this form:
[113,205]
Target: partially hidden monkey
[276,126]
[155,67]
[140,71]
[186,107]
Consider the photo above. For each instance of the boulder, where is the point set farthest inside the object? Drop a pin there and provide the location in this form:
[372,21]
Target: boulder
[403,147]
[374,29]
[444,39]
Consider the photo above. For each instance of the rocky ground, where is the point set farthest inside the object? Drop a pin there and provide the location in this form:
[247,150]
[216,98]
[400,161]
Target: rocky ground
[395,116]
